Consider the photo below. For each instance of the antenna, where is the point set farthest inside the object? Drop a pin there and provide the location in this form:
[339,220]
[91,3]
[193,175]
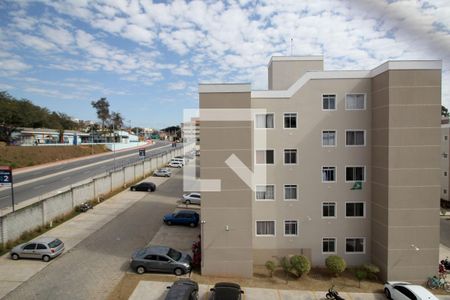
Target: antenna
[292,40]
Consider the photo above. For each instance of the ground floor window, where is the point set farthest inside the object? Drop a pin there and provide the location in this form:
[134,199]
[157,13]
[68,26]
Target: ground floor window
[328,245]
[265,227]
[354,245]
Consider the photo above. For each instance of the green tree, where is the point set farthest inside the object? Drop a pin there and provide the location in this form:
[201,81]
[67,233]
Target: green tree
[102,107]
[117,120]
[444,111]
[360,274]
[270,266]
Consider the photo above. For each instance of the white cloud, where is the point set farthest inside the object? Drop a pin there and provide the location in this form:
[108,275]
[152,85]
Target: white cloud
[180,85]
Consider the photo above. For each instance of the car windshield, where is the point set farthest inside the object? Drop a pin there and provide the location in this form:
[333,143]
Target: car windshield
[55,243]
[174,254]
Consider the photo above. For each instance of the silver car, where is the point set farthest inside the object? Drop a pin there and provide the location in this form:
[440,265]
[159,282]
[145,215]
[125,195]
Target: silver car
[163,173]
[161,259]
[44,248]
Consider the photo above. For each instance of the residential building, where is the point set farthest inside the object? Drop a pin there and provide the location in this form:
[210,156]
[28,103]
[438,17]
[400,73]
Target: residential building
[351,164]
[191,130]
[445,161]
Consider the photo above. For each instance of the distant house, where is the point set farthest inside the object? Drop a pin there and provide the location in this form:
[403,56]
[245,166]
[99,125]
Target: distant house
[44,136]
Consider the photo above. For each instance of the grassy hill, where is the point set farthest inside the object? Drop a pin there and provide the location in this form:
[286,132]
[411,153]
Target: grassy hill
[19,157]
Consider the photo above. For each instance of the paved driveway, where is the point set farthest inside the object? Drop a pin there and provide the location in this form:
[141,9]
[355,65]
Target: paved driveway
[92,268]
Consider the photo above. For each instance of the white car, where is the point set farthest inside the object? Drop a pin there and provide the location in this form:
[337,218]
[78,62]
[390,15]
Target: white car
[175,164]
[163,173]
[191,198]
[180,160]
[397,290]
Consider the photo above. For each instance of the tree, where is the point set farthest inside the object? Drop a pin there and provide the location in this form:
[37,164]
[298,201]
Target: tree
[117,120]
[444,111]
[360,274]
[102,107]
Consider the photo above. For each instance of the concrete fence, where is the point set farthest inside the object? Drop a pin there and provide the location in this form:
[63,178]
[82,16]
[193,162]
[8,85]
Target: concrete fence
[13,224]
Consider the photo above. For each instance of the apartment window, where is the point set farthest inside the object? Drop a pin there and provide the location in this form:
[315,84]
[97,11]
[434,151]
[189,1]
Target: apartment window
[328,174]
[265,228]
[444,155]
[264,157]
[290,120]
[265,192]
[445,173]
[355,102]
[328,245]
[354,245]
[445,137]
[290,156]
[290,192]
[264,121]
[328,102]
[290,227]
[328,138]
[445,191]
[354,173]
[354,209]
[355,138]
[329,209]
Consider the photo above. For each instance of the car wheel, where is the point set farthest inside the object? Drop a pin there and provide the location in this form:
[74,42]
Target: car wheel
[149,190]
[192,224]
[387,293]
[154,190]
[15,256]
[178,272]
[140,270]
[169,223]
[133,189]
[46,258]
[188,202]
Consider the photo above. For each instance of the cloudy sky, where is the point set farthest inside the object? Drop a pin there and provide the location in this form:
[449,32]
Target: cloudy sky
[148,57]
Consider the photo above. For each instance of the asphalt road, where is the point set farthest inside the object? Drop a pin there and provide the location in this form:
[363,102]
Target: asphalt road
[94,267]
[50,179]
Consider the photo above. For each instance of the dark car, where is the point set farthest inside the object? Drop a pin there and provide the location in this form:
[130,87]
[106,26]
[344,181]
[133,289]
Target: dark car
[183,289]
[183,217]
[161,259]
[144,187]
[226,291]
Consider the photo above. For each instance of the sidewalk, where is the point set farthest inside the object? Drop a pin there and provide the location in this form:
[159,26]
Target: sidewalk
[72,232]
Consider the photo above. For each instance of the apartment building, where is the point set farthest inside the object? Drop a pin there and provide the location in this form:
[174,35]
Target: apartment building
[351,165]
[445,161]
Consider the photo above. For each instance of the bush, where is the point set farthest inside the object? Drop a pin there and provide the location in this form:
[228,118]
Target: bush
[372,271]
[335,264]
[270,266]
[300,265]
[285,264]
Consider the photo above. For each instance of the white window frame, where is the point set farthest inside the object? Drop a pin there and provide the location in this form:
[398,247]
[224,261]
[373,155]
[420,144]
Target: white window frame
[296,120]
[265,200]
[265,114]
[356,109]
[355,166]
[335,101]
[335,138]
[266,235]
[296,157]
[335,245]
[274,157]
[335,174]
[335,210]
[355,217]
[284,192]
[353,146]
[284,227]
[355,237]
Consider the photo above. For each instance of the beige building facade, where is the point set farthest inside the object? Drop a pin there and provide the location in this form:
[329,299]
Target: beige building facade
[351,163]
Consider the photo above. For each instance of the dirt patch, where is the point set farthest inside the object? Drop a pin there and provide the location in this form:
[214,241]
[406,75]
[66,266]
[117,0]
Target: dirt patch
[317,280]
[21,156]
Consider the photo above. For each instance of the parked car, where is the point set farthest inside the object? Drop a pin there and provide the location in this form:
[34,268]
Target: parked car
[163,173]
[396,290]
[44,248]
[179,159]
[183,289]
[226,291]
[175,164]
[191,198]
[182,217]
[161,259]
[144,187]
[197,152]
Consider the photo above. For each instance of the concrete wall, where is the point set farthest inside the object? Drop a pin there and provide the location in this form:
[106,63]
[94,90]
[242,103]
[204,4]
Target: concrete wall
[13,224]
